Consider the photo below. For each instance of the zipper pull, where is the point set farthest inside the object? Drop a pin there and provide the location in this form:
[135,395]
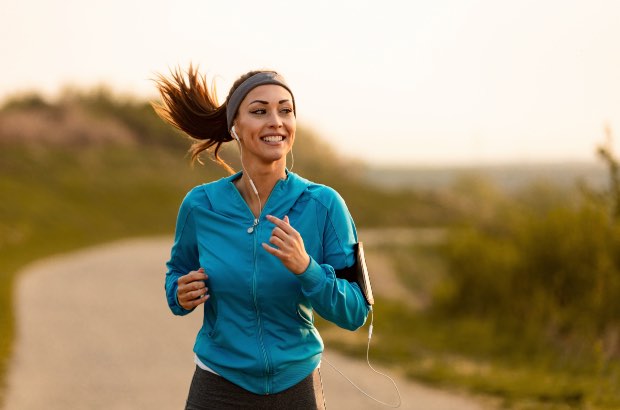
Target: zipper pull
[251,228]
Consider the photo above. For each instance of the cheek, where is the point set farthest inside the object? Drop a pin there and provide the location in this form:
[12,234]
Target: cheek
[250,125]
[292,127]
[247,123]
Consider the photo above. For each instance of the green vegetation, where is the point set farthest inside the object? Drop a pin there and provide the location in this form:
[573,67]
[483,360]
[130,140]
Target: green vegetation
[468,354]
[93,167]
[59,200]
[516,366]
[519,300]
[546,271]
[523,298]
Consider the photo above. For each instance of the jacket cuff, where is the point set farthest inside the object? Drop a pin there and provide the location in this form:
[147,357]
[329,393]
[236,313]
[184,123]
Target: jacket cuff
[312,278]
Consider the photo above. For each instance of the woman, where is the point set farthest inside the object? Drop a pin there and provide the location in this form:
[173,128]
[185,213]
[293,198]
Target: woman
[258,249]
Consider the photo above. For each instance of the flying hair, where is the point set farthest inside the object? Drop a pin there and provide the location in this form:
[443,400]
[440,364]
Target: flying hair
[189,104]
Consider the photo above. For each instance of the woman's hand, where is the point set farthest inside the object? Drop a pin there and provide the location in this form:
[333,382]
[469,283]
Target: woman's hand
[288,246]
[192,290]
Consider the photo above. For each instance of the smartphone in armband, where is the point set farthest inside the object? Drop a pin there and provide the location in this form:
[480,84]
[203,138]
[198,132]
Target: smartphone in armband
[358,273]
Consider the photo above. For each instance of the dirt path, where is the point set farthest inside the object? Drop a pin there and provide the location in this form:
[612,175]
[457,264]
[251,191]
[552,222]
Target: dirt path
[94,332]
[381,266]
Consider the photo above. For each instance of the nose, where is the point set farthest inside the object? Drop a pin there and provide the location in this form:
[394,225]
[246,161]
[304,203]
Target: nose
[274,120]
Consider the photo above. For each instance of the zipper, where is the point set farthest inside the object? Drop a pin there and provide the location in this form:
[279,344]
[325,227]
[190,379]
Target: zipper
[252,230]
[261,342]
[255,220]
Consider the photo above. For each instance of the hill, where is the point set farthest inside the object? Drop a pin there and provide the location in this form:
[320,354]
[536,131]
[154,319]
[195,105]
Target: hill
[92,167]
[508,177]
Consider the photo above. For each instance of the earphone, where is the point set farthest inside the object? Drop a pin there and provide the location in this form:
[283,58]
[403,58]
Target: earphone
[260,204]
[393,405]
[251,229]
[234,134]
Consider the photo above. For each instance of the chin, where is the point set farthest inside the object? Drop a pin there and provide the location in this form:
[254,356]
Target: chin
[276,156]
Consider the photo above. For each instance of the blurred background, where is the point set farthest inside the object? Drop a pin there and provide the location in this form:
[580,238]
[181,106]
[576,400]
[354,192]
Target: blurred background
[473,142]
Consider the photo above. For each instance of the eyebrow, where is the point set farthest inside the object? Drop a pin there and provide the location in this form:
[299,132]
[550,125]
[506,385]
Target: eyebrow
[267,102]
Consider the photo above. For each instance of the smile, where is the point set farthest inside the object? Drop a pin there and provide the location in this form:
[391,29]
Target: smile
[273,138]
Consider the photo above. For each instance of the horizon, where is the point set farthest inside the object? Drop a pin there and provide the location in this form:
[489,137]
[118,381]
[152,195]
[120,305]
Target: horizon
[417,83]
[426,166]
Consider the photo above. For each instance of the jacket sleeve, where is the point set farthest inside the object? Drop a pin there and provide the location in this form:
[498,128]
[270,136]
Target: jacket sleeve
[183,257]
[336,300]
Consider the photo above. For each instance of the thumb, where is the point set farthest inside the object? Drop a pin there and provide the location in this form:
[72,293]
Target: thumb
[286,219]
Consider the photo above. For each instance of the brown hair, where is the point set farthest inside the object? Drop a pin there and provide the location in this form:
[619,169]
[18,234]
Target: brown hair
[191,106]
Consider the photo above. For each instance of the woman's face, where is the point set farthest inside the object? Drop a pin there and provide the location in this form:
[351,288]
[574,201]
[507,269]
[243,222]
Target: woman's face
[266,124]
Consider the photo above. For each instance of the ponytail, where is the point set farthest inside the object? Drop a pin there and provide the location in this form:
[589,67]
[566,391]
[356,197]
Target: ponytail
[189,105]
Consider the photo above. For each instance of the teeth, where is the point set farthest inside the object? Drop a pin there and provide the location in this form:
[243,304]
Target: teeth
[273,138]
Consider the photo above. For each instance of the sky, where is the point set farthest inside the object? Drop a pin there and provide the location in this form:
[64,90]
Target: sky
[422,83]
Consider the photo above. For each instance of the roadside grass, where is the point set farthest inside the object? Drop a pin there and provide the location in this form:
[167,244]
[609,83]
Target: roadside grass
[515,371]
[57,200]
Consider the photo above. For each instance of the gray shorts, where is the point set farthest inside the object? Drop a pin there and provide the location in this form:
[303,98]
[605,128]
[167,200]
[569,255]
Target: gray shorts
[213,392]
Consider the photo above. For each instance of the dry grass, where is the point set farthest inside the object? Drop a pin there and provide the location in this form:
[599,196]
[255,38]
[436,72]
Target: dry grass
[68,125]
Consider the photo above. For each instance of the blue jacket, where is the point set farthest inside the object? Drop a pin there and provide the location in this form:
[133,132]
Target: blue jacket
[258,328]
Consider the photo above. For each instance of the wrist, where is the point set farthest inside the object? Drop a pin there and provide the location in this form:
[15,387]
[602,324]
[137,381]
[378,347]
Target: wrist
[304,265]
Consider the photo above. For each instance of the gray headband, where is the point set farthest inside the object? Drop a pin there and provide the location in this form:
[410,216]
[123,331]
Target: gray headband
[248,85]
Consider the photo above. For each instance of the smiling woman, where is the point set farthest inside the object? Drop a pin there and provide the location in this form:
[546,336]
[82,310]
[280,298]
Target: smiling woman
[258,250]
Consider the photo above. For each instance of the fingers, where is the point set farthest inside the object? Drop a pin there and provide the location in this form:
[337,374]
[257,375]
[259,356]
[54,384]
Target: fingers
[283,229]
[282,224]
[279,233]
[189,305]
[194,287]
[284,235]
[287,245]
[189,300]
[271,250]
[277,242]
[193,276]
[192,290]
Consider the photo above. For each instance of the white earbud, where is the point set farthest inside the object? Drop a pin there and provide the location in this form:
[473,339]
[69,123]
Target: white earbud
[234,133]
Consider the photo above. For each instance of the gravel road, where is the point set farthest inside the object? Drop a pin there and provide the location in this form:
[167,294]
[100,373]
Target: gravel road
[94,332]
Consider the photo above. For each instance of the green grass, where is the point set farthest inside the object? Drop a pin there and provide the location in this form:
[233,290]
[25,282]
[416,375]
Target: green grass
[57,200]
[516,370]
[69,193]
[471,356]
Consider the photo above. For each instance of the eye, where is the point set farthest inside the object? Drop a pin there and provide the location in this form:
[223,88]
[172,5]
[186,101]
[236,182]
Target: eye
[259,111]
[287,110]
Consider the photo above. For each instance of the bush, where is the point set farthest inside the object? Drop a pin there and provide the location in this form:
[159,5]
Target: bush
[545,265]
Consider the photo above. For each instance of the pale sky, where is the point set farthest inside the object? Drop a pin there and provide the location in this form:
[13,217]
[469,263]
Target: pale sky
[430,82]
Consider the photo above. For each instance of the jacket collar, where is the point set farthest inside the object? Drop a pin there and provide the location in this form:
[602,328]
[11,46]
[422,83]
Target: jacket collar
[226,199]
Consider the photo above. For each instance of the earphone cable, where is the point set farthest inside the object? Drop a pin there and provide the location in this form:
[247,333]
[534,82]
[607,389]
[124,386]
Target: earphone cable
[372,318]
[260,204]
[292,160]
